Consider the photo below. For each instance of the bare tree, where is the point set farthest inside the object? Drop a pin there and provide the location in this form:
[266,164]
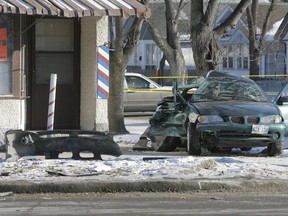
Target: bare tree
[257,41]
[204,34]
[122,45]
[170,45]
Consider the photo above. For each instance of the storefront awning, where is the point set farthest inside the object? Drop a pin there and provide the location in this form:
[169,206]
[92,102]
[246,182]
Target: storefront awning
[75,8]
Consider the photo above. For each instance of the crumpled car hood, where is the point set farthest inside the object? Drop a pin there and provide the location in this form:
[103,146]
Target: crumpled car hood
[235,108]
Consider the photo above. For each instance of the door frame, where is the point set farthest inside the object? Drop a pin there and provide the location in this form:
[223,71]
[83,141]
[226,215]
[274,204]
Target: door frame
[30,40]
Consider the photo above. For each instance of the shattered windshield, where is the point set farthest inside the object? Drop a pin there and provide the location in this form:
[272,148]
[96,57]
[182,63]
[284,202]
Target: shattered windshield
[228,89]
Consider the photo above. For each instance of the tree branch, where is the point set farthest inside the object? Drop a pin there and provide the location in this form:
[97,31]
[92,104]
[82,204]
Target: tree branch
[265,24]
[196,13]
[232,20]
[211,12]
[180,7]
[159,40]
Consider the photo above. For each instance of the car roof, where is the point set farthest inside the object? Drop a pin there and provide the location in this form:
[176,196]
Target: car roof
[134,74]
[213,75]
[220,74]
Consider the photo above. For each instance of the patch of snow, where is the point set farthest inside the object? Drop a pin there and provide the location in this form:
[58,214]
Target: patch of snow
[270,34]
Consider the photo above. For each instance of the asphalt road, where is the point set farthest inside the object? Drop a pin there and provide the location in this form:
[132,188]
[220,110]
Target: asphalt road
[144,204]
[136,122]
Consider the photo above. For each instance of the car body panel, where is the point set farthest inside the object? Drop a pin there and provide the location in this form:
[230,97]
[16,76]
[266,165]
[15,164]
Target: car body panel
[142,94]
[229,108]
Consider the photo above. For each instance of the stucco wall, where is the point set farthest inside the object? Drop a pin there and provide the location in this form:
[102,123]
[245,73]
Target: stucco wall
[11,116]
[93,111]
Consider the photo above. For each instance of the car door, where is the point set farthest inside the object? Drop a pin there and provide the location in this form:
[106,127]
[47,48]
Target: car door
[139,94]
[281,101]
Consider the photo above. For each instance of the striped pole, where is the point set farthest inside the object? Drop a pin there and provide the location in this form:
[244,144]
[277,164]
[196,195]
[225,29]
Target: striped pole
[103,72]
[52,99]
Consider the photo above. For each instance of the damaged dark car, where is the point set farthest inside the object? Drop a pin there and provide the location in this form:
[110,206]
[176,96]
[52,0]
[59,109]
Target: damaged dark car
[216,110]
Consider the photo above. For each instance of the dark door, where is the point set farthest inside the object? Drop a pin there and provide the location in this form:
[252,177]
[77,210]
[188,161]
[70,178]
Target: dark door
[56,51]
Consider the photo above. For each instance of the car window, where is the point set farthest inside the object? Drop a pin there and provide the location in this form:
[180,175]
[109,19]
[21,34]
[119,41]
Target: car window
[137,82]
[227,89]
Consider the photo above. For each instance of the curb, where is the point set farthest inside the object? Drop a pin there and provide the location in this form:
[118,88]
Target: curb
[85,186]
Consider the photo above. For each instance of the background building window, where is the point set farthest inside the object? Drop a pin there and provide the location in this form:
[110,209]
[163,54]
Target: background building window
[228,57]
[150,54]
[6,51]
[235,56]
[242,56]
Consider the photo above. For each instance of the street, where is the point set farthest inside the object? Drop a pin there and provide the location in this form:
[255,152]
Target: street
[145,204]
[136,122]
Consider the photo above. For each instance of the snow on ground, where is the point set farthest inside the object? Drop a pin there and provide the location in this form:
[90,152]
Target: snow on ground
[134,166]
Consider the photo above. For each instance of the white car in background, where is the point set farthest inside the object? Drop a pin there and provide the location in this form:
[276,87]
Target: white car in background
[142,94]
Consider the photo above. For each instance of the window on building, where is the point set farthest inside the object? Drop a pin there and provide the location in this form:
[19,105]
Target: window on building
[136,57]
[150,54]
[6,51]
[228,57]
[275,62]
[242,56]
[235,56]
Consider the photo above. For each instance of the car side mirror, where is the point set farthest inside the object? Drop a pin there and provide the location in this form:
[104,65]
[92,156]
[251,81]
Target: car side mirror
[151,86]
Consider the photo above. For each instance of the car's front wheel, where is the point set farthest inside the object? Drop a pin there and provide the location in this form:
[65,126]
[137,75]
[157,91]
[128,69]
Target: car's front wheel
[275,149]
[193,140]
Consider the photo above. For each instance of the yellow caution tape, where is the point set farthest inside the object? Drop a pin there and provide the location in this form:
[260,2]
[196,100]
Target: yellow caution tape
[268,75]
[171,77]
[181,77]
[149,90]
[272,93]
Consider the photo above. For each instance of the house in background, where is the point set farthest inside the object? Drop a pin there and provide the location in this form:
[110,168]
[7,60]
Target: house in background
[235,44]
[43,37]
[282,36]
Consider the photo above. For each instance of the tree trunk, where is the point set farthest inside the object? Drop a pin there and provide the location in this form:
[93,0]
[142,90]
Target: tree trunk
[117,76]
[162,68]
[122,47]
[115,102]
[171,46]
[256,45]
[178,68]
[254,65]
[205,50]
[177,62]
[204,37]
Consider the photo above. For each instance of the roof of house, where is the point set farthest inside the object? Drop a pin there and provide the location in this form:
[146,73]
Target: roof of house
[283,29]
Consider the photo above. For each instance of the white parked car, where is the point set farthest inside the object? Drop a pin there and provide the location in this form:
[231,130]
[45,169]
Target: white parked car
[142,94]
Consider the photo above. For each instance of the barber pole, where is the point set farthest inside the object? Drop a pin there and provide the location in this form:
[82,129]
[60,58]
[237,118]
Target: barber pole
[103,72]
[52,99]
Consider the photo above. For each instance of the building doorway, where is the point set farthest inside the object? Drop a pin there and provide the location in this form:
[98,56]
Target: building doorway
[56,50]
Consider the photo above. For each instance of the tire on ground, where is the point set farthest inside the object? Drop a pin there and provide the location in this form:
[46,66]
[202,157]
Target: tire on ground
[170,144]
[274,149]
